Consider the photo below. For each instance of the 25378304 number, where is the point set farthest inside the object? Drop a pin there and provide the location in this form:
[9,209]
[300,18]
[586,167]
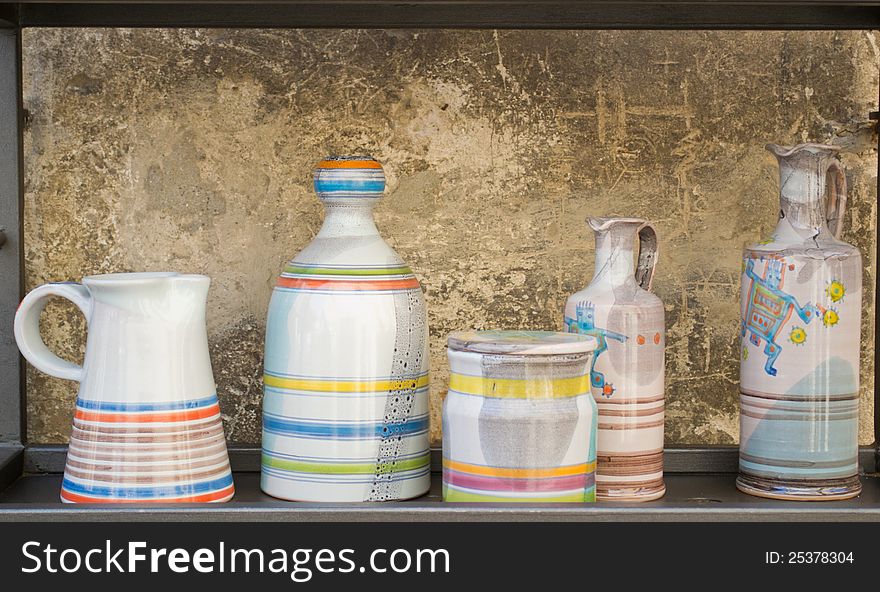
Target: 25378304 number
[820,557]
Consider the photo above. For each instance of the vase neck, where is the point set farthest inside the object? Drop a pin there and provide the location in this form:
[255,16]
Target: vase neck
[614,251]
[802,186]
[353,217]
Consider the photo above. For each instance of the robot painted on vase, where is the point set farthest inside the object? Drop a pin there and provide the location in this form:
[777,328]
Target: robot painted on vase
[585,324]
[769,308]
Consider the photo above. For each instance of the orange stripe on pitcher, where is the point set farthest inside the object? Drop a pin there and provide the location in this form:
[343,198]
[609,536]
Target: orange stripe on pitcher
[166,417]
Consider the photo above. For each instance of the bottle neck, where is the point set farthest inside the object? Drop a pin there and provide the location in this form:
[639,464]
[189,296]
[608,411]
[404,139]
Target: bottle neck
[802,192]
[614,256]
[349,217]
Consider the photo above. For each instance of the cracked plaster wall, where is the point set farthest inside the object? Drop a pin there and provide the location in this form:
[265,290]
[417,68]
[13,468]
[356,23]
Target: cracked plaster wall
[191,150]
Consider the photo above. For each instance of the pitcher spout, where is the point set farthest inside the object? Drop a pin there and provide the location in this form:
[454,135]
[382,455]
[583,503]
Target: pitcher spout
[170,296]
[809,148]
[606,224]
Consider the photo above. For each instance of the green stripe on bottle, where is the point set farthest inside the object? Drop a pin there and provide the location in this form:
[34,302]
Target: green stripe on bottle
[374,271]
[342,468]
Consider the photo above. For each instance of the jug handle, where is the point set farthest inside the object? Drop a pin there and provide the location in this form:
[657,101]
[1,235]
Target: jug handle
[648,247]
[835,204]
[27,328]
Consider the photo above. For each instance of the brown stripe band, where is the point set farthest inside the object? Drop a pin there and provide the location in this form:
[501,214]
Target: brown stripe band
[117,468]
[181,428]
[761,404]
[630,426]
[158,452]
[136,437]
[635,401]
[142,478]
[630,412]
[805,416]
[622,486]
[786,397]
[622,466]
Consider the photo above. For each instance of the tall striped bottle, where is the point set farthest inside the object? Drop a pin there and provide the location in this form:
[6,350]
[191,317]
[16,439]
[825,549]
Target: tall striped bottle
[345,411]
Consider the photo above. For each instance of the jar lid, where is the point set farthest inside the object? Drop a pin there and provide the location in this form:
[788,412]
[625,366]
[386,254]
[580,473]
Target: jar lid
[521,343]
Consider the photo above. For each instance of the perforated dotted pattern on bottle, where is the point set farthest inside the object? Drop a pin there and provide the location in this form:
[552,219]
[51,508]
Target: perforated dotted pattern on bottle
[406,367]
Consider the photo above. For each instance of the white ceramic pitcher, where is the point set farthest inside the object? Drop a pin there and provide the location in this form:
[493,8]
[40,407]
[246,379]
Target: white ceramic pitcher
[147,424]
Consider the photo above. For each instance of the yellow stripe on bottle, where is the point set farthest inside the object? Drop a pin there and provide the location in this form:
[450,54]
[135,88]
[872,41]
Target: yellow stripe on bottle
[534,473]
[511,388]
[343,386]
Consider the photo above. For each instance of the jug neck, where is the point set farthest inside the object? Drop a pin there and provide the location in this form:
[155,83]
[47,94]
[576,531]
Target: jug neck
[349,218]
[615,241]
[802,184]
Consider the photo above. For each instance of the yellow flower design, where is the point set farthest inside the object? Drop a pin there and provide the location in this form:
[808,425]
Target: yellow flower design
[745,353]
[830,318]
[836,291]
[797,335]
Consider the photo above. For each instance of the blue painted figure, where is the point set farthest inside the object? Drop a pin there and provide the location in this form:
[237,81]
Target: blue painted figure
[585,323]
[769,308]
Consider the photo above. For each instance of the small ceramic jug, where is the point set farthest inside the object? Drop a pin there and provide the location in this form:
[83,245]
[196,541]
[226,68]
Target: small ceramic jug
[627,372]
[519,422]
[147,424]
[345,411]
[801,298]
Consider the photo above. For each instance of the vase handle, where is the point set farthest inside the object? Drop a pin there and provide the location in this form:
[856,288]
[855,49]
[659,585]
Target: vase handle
[648,247]
[835,204]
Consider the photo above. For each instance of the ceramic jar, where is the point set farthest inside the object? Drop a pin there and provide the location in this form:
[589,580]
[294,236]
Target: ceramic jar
[519,423]
[627,369]
[147,423]
[801,316]
[345,411]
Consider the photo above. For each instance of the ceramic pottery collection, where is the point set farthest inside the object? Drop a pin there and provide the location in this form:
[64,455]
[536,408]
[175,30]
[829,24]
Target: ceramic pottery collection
[519,422]
[147,424]
[345,411]
[627,369]
[530,416]
[801,316]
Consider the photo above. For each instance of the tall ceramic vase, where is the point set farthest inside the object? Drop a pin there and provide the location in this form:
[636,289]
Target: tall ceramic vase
[345,412]
[627,372]
[801,314]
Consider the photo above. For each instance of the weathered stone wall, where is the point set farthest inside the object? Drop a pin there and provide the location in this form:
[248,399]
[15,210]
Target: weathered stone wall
[191,150]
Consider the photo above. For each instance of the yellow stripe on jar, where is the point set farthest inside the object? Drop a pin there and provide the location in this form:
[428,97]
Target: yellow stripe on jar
[511,388]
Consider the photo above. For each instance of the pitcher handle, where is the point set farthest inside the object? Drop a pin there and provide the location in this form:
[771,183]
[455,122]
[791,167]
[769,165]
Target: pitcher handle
[648,247]
[835,205]
[27,328]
